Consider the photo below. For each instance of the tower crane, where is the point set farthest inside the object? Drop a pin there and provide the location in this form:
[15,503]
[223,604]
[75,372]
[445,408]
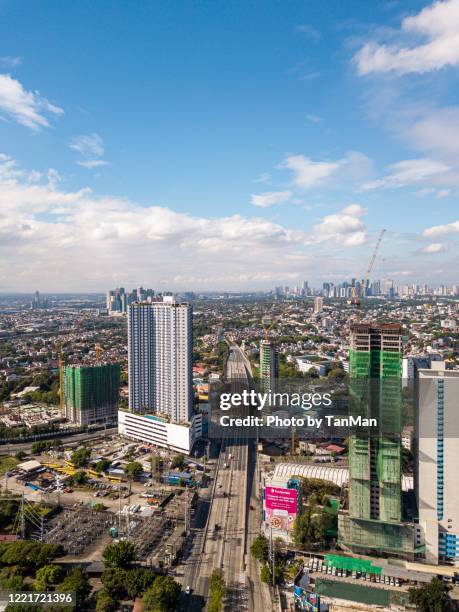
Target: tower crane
[356,300]
[267,326]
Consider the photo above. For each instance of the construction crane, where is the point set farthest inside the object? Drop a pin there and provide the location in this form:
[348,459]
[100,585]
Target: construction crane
[267,326]
[99,351]
[356,299]
[372,261]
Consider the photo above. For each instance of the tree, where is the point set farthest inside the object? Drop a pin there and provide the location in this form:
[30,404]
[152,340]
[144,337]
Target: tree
[119,555]
[46,575]
[217,590]
[309,528]
[260,548]
[11,578]
[105,602]
[99,507]
[265,574]
[102,465]
[76,582]
[29,555]
[138,580]
[80,457]
[178,461]
[431,597]
[114,581]
[162,596]
[133,470]
[80,478]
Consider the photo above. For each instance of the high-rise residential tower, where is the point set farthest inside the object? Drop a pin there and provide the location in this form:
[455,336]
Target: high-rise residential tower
[437,462]
[374,519]
[90,393]
[318,305]
[160,345]
[269,366]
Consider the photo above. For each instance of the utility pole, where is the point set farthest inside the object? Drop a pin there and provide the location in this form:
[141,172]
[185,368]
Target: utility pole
[22,518]
[272,556]
[119,510]
[42,525]
[187,527]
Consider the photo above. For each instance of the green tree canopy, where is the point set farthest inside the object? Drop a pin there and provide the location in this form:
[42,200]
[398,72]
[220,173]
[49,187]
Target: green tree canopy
[138,580]
[178,461]
[102,465]
[133,470]
[28,554]
[260,548]
[114,581]
[119,555]
[310,527]
[217,590]
[105,602]
[162,596]
[46,575]
[80,457]
[431,597]
[76,582]
[265,574]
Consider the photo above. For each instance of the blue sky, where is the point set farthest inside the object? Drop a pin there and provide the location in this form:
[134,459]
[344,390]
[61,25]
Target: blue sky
[227,145]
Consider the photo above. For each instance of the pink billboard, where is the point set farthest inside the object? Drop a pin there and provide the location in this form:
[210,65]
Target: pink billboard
[280,507]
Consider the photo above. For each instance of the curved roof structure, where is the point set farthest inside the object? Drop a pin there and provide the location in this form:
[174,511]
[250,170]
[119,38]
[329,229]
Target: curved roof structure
[338,476]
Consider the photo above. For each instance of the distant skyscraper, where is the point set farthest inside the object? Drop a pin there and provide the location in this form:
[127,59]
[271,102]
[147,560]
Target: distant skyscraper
[374,519]
[269,366]
[437,462]
[116,301]
[90,393]
[318,305]
[160,345]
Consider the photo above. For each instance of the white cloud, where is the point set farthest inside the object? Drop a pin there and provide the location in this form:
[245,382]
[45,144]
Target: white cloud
[8,61]
[88,145]
[434,247]
[345,227]
[436,28]
[27,108]
[408,172]
[314,118]
[437,131]
[443,193]
[311,32]
[264,177]
[93,163]
[270,198]
[96,238]
[91,147]
[100,241]
[308,173]
[442,230]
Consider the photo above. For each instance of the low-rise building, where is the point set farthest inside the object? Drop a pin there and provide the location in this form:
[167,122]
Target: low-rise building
[160,431]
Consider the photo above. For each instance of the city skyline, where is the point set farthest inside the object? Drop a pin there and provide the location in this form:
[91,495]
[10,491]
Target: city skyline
[234,146]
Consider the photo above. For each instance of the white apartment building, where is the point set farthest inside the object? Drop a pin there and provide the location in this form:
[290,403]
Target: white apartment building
[412,363]
[159,431]
[160,345]
[436,448]
[318,305]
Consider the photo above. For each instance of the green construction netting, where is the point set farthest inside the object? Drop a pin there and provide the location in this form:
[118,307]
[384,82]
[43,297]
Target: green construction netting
[349,563]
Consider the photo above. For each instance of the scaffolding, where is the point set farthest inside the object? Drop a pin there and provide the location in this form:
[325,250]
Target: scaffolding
[374,520]
[90,393]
